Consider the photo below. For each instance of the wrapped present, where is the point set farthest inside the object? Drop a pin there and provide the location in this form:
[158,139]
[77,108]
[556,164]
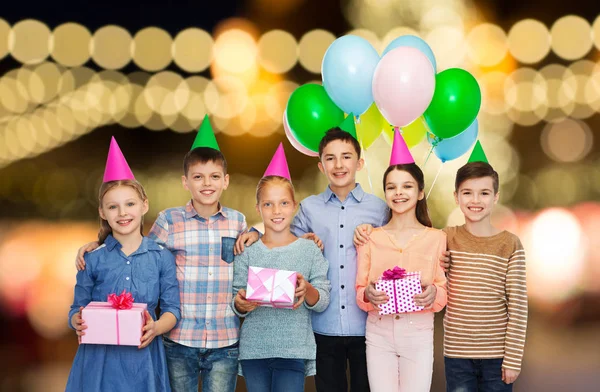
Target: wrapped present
[400,287]
[119,321]
[271,287]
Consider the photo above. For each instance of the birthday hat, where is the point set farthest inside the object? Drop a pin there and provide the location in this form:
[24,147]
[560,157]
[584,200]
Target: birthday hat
[348,125]
[477,155]
[205,136]
[400,153]
[116,165]
[278,165]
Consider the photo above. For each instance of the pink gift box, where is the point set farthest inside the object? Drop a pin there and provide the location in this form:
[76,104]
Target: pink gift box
[401,292]
[271,287]
[107,325]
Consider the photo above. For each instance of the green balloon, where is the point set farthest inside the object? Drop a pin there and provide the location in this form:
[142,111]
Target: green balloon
[455,104]
[310,114]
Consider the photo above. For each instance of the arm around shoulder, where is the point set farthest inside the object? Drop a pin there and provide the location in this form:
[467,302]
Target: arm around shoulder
[169,286]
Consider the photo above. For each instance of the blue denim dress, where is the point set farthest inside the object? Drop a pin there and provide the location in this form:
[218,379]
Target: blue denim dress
[149,275]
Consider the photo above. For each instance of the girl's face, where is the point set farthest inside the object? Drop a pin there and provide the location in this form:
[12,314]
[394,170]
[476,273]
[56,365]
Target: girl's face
[123,209]
[276,207]
[402,192]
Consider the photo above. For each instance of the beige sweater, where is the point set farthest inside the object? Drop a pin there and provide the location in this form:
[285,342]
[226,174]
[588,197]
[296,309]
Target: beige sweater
[486,315]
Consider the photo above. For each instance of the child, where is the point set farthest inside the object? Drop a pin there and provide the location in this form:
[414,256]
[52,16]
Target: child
[126,260]
[332,216]
[201,235]
[277,346]
[400,347]
[486,319]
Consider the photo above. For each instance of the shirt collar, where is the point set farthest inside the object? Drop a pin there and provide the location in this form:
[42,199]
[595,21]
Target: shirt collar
[357,193]
[191,212]
[146,245]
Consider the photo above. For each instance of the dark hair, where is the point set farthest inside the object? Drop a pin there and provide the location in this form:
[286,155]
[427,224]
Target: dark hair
[476,170]
[275,180]
[338,134]
[203,155]
[105,228]
[421,210]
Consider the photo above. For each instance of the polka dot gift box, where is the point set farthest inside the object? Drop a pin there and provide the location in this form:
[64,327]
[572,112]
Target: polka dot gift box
[400,287]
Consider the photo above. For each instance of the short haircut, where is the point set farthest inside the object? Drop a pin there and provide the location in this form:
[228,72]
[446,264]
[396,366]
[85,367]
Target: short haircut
[203,155]
[476,170]
[338,134]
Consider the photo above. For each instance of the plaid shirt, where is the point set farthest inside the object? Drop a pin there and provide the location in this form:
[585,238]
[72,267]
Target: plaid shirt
[207,320]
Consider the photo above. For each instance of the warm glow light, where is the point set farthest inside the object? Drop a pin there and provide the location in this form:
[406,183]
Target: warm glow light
[4,34]
[235,51]
[559,95]
[555,245]
[529,41]
[571,37]
[29,41]
[111,47]
[312,48]
[448,44]
[226,97]
[152,49]
[567,141]
[193,50]
[525,89]
[71,44]
[578,82]
[492,91]
[487,44]
[277,51]
[277,99]
[595,32]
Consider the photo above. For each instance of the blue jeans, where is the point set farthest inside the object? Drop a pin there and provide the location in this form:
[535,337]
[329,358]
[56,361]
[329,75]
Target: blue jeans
[274,375]
[474,375]
[217,368]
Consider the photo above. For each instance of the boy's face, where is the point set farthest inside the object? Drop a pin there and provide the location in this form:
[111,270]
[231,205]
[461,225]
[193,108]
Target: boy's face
[476,198]
[340,162]
[206,182]
[402,191]
[276,207]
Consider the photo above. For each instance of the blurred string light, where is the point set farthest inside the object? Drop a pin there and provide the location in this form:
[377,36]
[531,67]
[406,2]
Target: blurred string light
[71,44]
[151,49]
[529,41]
[312,48]
[571,37]
[567,141]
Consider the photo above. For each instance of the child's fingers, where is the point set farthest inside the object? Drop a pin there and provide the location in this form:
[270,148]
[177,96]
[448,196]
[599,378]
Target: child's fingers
[299,303]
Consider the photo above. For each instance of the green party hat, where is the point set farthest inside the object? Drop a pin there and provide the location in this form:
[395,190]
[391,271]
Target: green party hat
[477,155]
[348,125]
[205,136]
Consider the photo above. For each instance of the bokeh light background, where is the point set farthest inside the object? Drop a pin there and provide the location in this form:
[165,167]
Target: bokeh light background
[72,76]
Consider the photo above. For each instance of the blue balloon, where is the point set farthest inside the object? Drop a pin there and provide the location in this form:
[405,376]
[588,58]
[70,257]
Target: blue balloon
[413,42]
[454,147]
[347,69]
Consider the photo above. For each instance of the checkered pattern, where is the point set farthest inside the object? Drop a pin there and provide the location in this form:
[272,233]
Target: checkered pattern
[204,278]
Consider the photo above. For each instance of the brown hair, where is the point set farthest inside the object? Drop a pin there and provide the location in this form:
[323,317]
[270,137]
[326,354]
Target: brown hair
[421,209]
[338,134]
[476,170]
[105,228]
[203,155]
[275,180]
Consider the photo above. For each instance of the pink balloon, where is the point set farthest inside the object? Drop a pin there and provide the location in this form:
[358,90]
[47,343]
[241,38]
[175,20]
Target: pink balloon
[293,141]
[403,85]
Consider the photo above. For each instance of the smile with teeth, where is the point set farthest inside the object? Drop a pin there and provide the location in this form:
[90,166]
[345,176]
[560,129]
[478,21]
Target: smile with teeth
[400,200]
[207,192]
[124,222]
[476,209]
[277,220]
[339,174]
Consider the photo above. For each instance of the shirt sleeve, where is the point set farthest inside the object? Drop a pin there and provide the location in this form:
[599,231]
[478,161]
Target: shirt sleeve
[439,279]
[240,278]
[83,288]
[362,276]
[300,223]
[169,287]
[516,295]
[318,279]
[160,231]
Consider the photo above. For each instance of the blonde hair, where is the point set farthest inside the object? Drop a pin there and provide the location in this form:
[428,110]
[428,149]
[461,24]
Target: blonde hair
[105,228]
[275,180]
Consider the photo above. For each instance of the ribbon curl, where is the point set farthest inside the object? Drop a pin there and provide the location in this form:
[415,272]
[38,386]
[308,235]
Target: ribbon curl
[122,301]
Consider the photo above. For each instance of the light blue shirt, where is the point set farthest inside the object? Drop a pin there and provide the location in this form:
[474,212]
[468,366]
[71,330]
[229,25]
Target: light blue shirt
[334,222]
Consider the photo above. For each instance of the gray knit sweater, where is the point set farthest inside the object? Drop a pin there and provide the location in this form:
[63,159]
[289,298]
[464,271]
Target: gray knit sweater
[282,333]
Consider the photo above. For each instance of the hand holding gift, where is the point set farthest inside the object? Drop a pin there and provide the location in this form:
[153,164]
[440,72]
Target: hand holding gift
[242,304]
[271,287]
[301,289]
[78,323]
[375,296]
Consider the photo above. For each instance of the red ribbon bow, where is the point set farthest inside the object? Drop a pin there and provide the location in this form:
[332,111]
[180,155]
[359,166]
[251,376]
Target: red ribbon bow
[396,273]
[122,302]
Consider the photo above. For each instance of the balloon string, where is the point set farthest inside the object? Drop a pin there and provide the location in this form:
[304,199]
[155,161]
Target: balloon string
[426,157]
[435,180]
[367,166]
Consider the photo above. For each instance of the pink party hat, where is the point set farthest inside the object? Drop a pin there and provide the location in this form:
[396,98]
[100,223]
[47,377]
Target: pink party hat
[400,152]
[116,165]
[278,165]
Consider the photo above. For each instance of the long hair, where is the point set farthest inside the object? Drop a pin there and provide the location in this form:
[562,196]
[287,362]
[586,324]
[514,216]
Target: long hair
[421,209]
[276,180]
[105,228]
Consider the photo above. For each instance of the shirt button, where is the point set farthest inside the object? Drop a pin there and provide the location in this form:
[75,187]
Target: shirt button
[343,307]
[128,262]
[397,317]
[341,246]
[342,287]
[341,226]
[343,208]
[341,266]
[127,278]
[210,273]
[210,249]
